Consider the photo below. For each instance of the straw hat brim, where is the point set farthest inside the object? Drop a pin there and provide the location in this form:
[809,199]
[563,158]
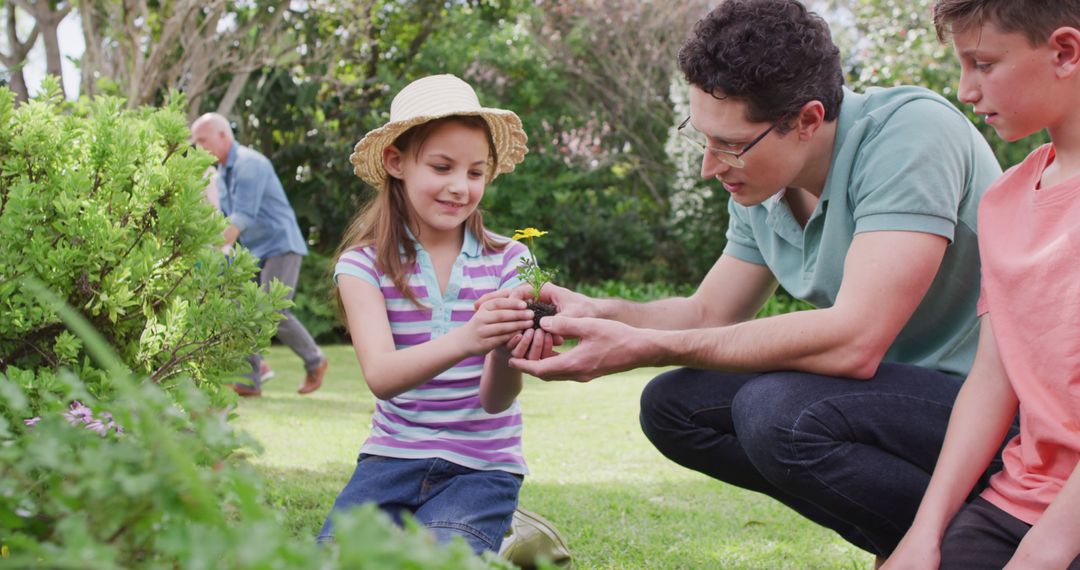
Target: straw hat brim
[506,132]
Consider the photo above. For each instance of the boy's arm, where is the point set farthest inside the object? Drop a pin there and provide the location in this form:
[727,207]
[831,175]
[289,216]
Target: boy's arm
[390,372]
[1054,541]
[981,417]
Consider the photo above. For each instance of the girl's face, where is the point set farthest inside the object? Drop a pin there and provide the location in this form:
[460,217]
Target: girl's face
[444,181]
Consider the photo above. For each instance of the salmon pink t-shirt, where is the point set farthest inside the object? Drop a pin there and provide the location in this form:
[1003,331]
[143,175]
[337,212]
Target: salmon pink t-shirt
[1029,239]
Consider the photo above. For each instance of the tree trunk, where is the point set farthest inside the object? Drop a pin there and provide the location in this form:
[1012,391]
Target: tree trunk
[17,59]
[52,52]
[91,58]
[18,85]
[236,86]
[47,19]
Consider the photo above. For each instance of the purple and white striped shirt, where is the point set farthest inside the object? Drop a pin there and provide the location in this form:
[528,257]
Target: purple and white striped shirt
[443,418]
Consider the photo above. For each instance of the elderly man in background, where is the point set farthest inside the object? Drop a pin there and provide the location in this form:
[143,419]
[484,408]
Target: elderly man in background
[262,220]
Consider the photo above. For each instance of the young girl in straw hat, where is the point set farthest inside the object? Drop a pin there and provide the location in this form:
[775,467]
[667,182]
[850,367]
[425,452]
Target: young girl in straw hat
[445,442]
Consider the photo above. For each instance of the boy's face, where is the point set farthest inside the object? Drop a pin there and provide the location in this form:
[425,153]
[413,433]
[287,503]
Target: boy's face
[1007,80]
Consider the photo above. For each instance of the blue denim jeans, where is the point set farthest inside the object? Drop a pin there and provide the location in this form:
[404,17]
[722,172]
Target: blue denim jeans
[854,456]
[448,499]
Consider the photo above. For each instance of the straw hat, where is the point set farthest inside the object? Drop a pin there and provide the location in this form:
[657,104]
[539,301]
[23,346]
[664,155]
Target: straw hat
[434,97]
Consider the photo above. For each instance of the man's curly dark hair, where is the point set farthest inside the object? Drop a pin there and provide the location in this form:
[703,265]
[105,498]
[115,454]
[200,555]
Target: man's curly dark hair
[773,54]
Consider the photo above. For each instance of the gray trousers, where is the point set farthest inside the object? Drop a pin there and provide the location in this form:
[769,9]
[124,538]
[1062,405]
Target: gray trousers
[286,268]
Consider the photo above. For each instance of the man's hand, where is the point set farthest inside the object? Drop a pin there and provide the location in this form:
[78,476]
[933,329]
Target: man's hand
[604,347]
[231,234]
[567,303]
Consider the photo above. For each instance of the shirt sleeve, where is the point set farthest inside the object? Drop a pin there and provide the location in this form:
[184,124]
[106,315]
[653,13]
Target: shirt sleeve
[911,175]
[253,175]
[514,253]
[358,263]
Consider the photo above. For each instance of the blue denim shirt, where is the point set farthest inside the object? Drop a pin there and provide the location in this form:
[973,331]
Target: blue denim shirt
[254,201]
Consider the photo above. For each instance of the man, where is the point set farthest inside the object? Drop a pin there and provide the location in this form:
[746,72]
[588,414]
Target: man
[263,221]
[863,205]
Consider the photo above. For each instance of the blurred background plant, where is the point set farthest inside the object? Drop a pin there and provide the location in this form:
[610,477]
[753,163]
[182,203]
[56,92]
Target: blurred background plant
[104,205]
[171,490]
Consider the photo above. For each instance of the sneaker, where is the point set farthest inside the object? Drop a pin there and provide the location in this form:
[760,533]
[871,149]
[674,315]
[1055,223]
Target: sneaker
[246,390]
[314,378]
[265,372]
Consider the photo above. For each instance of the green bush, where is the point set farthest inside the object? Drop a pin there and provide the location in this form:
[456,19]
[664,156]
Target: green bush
[104,206]
[633,291]
[168,490]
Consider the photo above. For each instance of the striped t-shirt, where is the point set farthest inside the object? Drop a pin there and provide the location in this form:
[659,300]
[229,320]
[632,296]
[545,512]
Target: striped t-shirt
[443,418]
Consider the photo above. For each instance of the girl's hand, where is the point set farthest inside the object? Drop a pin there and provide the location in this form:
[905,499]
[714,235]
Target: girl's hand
[531,344]
[494,324]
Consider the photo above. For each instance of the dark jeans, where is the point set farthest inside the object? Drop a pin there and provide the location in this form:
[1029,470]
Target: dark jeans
[851,455]
[983,537]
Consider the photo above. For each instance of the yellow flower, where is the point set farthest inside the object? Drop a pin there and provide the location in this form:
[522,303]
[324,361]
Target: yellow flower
[3,551]
[527,233]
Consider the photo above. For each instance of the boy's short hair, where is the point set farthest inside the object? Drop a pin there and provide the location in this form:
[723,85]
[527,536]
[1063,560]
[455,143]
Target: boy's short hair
[773,54]
[1035,19]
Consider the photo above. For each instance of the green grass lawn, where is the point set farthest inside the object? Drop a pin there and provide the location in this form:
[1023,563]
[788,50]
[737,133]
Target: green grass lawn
[619,503]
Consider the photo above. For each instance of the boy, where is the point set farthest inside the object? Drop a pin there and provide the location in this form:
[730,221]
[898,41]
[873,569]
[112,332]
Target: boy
[1020,63]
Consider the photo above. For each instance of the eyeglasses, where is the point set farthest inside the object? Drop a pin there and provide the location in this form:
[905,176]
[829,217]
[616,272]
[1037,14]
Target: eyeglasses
[732,158]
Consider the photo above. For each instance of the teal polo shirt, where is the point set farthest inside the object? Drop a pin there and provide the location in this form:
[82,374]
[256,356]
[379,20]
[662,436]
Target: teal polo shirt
[904,159]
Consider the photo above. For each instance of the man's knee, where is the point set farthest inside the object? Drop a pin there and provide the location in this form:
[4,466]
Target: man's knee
[779,421]
[659,404]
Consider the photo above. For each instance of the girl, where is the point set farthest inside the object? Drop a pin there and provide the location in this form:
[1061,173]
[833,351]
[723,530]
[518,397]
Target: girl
[445,441]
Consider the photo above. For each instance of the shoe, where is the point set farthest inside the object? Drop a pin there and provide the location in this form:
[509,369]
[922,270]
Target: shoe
[265,372]
[246,390]
[313,380]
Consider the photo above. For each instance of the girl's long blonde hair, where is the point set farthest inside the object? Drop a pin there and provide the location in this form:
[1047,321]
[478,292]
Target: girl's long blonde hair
[383,220]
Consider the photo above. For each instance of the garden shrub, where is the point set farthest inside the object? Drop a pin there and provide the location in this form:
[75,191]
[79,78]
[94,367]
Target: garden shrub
[104,206]
[165,491]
